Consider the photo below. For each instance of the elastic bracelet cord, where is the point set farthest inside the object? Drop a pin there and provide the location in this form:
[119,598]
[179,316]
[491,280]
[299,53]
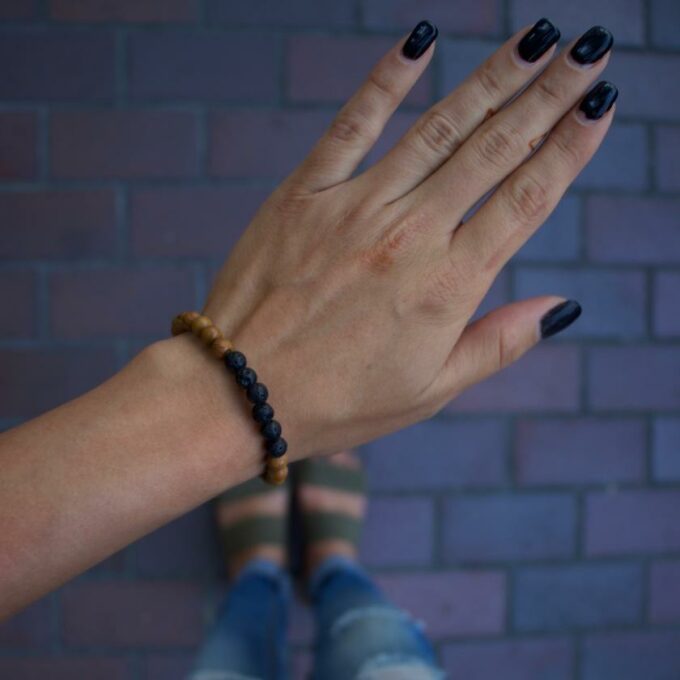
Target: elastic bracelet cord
[276,460]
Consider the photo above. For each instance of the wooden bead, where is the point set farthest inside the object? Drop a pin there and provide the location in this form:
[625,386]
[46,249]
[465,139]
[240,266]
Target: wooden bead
[178,326]
[209,334]
[199,323]
[276,477]
[220,347]
[189,317]
[277,463]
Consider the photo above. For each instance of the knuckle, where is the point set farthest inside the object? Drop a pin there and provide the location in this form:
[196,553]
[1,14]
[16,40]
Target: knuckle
[567,149]
[348,127]
[381,83]
[549,91]
[440,133]
[499,144]
[527,199]
[488,81]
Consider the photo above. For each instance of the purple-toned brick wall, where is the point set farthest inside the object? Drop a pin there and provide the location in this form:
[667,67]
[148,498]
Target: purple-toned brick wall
[534,523]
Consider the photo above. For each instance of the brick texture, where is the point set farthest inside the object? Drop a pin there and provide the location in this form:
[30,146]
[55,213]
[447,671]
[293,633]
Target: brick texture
[532,523]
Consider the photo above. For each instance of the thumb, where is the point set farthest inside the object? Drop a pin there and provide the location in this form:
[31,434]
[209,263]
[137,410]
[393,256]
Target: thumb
[502,336]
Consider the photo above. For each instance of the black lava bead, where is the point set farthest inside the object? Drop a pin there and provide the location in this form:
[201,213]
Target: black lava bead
[278,447]
[263,412]
[257,393]
[246,377]
[234,360]
[271,430]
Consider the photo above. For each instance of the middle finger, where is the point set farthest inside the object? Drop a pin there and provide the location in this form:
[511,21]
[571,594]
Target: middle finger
[503,142]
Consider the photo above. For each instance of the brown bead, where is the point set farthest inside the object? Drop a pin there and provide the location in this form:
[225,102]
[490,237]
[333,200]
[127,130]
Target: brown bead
[209,334]
[178,326]
[277,463]
[276,477]
[199,323]
[220,347]
[189,317]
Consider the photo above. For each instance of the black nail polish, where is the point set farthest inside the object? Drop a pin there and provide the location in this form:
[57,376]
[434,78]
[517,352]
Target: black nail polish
[599,100]
[540,38]
[422,36]
[592,45]
[559,317]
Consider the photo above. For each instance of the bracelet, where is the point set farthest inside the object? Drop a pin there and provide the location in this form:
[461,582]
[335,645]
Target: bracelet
[276,460]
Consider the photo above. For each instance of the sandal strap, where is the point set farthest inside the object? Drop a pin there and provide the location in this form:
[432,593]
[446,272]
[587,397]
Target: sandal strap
[339,477]
[323,526]
[253,531]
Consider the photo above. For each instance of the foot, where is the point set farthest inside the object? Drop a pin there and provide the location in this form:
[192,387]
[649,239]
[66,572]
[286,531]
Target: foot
[331,493]
[252,519]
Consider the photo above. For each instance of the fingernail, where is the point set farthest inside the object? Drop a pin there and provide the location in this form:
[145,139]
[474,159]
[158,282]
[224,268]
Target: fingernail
[540,38]
[592,45]
[422,36]
[599,100]
[559,317]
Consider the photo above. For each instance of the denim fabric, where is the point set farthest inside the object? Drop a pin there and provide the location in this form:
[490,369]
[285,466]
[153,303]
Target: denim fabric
[360,635]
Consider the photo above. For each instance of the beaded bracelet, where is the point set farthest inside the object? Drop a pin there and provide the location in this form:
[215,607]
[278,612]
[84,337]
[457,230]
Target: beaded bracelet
[276,460]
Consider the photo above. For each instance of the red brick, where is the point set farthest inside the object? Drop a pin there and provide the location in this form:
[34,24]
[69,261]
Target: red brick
[625,378]
[664,606]
[632,229]
[628,522]
[666,292]
[667,140]
[36,380]
[525,659]
[580,451]
[332,68]
[124,10]
[477,17]
[58,223]
[131,614]
[57,65]
[18,9]
[545,379]
[17,145]
[307,13]
[17,292]
[252,143]
[31,628]
[458,454]
[639,74]
[112,144]
[119,302]
[204,65]
[412,545]
[65,668]
[192,221]
[455,603]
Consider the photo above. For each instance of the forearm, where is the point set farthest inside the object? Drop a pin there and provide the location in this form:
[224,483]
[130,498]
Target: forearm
[165,434]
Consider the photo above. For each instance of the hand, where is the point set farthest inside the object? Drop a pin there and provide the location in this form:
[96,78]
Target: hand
[351,296]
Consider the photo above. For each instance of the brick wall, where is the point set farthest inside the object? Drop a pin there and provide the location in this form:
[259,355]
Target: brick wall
[540,531]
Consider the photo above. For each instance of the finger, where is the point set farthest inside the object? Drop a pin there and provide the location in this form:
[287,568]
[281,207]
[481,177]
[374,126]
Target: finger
[501,337]
[358,124]
[502,143]
[436,135]
[527,197]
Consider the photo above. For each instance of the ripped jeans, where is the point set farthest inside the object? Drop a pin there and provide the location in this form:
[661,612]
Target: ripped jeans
[360,635]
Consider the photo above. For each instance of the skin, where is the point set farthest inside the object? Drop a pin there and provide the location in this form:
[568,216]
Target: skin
[351,297]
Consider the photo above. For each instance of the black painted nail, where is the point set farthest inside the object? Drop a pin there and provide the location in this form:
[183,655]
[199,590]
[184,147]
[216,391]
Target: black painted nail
[592,45]
[422,36]
[599,100]
[540,38]
[559,317]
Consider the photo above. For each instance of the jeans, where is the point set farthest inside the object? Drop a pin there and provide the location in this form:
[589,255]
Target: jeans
[360,635]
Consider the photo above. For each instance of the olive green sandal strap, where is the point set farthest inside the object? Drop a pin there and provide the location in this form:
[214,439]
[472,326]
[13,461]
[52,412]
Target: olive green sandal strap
[324,526]
[338,477]
[253,531]
[250,487]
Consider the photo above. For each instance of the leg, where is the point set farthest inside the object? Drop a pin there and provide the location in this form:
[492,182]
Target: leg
[248,638]
[360,634]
